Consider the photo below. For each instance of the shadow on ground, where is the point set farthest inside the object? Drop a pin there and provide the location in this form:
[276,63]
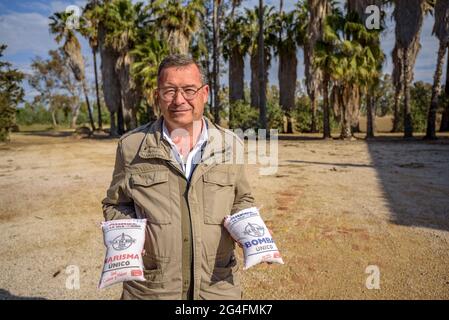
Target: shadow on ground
[415,179]
[6,295]
[64,134]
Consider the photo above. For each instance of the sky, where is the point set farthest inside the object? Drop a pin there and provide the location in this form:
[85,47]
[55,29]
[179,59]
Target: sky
[24,28]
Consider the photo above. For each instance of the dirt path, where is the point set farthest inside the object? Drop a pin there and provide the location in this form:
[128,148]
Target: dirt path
[335,209]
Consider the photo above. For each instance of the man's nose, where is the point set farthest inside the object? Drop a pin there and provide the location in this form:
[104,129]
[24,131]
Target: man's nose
[179,98]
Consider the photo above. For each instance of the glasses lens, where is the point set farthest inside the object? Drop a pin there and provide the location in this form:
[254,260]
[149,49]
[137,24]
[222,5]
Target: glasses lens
[189,93]
[169,94]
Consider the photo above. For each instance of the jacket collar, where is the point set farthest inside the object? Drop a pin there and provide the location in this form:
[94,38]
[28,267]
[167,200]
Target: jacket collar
[154,146]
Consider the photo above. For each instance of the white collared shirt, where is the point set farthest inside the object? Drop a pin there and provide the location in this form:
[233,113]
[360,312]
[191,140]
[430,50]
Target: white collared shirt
[194,156]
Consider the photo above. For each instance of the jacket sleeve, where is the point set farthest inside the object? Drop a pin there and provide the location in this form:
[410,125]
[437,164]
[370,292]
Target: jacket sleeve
[117,205]
[243,198]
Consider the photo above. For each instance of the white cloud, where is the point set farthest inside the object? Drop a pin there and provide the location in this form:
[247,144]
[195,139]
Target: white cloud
[25,33]
[57,6]
[35,5]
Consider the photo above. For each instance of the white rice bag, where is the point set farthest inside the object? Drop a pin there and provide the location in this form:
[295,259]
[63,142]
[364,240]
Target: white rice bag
[124,240]
[248,228]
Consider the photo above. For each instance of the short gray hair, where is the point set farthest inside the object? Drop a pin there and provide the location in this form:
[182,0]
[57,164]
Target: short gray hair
[180,60]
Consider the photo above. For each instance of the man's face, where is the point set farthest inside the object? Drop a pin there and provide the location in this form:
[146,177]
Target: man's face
[179,111]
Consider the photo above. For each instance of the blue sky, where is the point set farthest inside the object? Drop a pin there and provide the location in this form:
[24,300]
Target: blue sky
[24,28]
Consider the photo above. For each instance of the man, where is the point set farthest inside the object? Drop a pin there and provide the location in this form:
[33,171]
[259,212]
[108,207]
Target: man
[176,173]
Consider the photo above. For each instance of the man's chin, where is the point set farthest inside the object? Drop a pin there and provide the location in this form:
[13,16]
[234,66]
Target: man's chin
[182,121]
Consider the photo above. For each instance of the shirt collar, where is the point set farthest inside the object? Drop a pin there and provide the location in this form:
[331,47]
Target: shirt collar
[201,139]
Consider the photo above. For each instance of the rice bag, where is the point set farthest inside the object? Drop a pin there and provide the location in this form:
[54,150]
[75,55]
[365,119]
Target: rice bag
[248,228]
[124,241]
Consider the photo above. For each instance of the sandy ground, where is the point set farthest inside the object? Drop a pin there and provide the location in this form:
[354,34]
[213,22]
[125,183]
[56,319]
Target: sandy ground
[335,208]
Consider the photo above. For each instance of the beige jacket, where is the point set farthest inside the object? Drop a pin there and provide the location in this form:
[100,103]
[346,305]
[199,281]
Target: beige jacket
[189,254]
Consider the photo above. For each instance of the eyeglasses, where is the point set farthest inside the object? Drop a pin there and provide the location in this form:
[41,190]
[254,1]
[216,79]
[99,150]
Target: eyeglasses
[169,93]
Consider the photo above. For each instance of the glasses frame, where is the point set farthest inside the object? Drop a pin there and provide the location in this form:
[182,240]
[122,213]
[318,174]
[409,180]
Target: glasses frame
[182,92]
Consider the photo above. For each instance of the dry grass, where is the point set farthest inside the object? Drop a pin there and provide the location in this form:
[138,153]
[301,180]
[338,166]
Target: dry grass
[334,207]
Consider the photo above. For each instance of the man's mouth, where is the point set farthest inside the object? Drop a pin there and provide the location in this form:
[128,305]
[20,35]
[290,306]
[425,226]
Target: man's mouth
[180,110]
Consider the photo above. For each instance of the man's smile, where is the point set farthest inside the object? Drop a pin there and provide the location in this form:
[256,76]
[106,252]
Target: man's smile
[178,111]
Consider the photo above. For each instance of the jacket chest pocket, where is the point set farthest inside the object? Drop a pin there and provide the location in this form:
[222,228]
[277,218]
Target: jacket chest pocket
[151,191]
[218,195]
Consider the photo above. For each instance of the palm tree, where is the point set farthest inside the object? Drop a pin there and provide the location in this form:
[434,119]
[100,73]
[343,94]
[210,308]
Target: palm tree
[398,85]
[349,57]
[90,31]
[234,50]
[181,22]
[398,67]
[291,30]
[261,66]
[325,60]
[122,26]
[318,10]
[216,22]
[445,118]
[251,35]
[370,40]
[409,15]
[441,31]
[147,57]
[72,49]
[110,81]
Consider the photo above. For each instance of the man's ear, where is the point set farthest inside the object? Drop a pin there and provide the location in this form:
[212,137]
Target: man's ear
[156,98]
[206,93]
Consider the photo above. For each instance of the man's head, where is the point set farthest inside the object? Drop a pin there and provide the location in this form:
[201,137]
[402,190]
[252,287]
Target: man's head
[182,92]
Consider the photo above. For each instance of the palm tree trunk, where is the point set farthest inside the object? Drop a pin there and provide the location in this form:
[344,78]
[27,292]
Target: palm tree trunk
[445,119]
[326,119]
[111,84]
[287,83]
[254,81]
[436,90]
[318,12]
[371,116]
[97,91]
[236,80]
[88,105]
[408,125]
[113,130]
[314,104]
[53,117]
[216,62]
[397,105]
[75,113]
[236,76]
[261,64]
[255,75]
[345,98]
[120,121]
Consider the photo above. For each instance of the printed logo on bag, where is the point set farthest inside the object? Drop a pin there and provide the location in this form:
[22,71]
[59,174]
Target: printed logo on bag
[254,230]
[122,242]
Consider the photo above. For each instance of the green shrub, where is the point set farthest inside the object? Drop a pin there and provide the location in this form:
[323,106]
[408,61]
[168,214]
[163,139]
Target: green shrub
[244,116]
[275,117]
[7,117]
[303,116]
